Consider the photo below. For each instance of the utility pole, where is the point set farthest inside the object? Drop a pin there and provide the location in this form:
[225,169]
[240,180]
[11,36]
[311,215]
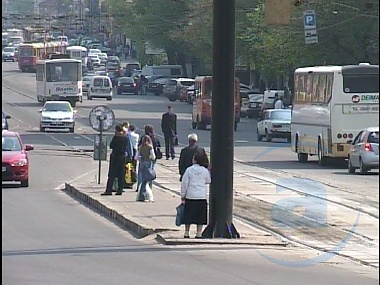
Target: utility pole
[222,135]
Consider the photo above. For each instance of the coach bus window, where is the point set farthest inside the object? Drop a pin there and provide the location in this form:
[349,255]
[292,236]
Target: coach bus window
[329,83]
[321,88]
[309,88]
[208,87]
[315,88]
[363,83]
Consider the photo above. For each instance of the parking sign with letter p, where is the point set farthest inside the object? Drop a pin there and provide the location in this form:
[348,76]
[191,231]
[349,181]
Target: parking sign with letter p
[309,20]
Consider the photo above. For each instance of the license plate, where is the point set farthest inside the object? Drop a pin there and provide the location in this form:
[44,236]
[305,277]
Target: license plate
[4,169]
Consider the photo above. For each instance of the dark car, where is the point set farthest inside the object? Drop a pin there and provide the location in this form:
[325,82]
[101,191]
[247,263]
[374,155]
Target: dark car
[254,105]
[4,121]
[126,85]
[157,85]
[113,76]
[113,59]
[113,66]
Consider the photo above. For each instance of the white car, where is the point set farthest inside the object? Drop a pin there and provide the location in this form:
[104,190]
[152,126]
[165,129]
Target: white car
[274,123]
[364,151]
[57,115]
[86,80]
[103,58]
[100,87]
[94,59]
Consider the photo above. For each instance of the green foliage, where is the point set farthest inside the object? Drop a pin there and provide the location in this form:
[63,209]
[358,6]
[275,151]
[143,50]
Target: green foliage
[347,29]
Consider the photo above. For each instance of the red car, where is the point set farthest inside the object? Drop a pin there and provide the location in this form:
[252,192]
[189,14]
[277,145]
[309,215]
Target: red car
[15,165]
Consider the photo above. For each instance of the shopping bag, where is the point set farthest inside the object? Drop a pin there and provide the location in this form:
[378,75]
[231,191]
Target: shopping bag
[130,175]
[179,217]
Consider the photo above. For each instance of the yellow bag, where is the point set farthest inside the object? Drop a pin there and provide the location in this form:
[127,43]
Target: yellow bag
[130,174]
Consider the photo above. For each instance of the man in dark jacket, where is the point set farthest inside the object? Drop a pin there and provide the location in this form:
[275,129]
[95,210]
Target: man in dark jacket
[187,154]
[117,161]
[169,128]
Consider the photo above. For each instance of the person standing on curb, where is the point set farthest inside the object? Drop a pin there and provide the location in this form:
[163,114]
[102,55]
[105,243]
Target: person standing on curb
[117,161]
[129,154]
[169,128]
[145,155]
[194,194]
[187,154]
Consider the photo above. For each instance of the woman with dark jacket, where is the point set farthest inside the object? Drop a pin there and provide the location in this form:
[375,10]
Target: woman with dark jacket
[117,161]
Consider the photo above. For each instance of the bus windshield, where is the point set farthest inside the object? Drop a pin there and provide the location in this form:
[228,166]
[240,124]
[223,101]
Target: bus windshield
[361,83]
[63,71]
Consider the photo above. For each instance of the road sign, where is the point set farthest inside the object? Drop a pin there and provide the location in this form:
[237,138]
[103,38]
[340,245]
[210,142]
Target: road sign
[309,20]
[102,114]
[311,37]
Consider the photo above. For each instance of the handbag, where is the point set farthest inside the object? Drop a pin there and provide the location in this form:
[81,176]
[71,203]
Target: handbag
[179,217]
[149,174]
[158,153]
[175,141]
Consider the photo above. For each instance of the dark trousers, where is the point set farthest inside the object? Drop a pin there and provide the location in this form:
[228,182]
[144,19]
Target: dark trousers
[116,170]
[169,146]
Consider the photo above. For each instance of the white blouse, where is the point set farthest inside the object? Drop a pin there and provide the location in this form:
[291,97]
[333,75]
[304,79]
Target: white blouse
[194,182]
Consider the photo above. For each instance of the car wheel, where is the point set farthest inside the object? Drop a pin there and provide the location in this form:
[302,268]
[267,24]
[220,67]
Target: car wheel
[351,169]
[259,137]
[362,169]
[268,136]
[109,98]
[24,183]
[71,130]
[89,97]
[42,129]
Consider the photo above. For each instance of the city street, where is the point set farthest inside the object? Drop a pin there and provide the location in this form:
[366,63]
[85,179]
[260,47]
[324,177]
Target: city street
[56,240]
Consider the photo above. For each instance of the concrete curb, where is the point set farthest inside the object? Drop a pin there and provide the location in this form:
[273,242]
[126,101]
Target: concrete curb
[138,229]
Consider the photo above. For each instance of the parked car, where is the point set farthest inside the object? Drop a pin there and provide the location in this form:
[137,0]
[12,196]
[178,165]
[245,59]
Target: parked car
[157,85]
[254,105]
[126,85]
[57,115]
[364,151]
[173,87]
[103,58]
[9,54]
[86,80]
[4,121]
[15,160]
[94,59]
[275,123]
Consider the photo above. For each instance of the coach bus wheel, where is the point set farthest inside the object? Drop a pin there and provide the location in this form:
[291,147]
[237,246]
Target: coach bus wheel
[322,160]
[302,157]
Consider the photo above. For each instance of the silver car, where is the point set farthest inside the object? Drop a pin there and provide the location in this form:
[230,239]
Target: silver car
[364,152]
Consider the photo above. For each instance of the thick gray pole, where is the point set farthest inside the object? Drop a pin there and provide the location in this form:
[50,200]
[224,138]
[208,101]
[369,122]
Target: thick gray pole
[222,129]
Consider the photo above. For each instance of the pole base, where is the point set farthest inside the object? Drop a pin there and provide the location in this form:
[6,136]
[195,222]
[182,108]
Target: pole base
[221,231]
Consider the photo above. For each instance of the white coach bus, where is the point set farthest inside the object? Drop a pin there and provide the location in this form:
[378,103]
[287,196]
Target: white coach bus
[78,52]
[59,79]
[331,105]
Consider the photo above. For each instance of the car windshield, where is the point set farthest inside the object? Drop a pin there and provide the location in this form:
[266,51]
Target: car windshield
[9,49]
[57,107]
[373,137]
[87,78]
[280,115]
[187,83]
[10,144]
[127,80]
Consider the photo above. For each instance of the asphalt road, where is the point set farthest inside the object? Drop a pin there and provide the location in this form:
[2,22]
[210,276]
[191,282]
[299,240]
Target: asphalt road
[48,238]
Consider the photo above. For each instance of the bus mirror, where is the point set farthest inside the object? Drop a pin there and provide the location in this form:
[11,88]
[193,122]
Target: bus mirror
[40,110]
[349,142]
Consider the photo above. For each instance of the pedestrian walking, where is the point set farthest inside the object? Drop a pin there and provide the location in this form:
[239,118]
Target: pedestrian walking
[149,131]
[279,104]
[145,155]
[187,154]
[169,128]
[143,84]
[117,161]
[194,194]
[129,157]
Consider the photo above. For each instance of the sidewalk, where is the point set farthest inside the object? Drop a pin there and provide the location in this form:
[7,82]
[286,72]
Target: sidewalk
[156,218]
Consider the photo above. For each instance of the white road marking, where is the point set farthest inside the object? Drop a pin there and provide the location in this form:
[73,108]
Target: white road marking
[62,185]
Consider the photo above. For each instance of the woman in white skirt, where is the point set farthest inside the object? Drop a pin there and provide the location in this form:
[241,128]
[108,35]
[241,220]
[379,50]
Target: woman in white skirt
[194,194]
